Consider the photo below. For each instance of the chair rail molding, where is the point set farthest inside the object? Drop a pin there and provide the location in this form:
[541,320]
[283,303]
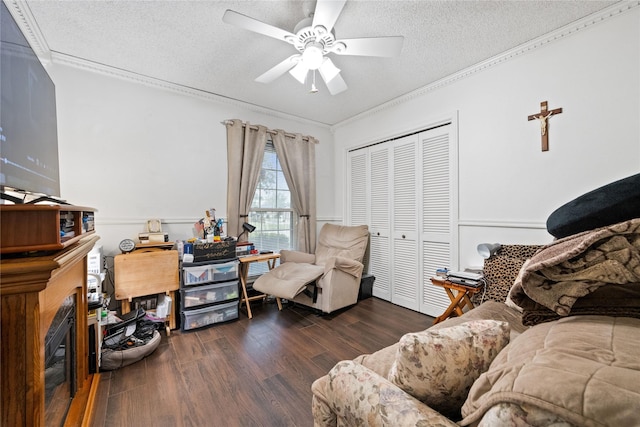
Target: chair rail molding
[502,224]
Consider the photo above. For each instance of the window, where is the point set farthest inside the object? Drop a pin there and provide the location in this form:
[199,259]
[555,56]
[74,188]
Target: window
[271,211]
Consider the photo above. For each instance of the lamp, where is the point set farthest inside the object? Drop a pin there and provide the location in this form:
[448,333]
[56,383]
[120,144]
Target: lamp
[486,250]
[246,228]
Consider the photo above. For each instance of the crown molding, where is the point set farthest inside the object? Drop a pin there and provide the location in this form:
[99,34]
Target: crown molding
[27,23]
[94,67]
[568,30]
[22,14]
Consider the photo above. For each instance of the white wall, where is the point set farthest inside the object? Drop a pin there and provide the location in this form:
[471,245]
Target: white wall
[507,186]
[136,151]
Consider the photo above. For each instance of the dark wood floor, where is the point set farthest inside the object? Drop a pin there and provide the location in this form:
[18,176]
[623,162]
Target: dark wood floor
[254,372]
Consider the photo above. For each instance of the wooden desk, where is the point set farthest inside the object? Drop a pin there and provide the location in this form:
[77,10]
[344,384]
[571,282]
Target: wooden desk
[459,300]
[243,273]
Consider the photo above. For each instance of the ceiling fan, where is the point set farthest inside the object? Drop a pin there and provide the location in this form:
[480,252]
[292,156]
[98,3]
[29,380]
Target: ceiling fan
[314,38]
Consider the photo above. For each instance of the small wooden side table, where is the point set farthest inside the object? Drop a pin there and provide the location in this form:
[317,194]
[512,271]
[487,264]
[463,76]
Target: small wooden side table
[243,273]
[459,300]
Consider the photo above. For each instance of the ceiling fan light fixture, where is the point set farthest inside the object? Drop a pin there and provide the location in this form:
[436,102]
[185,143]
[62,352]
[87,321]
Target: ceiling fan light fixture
[299,72]
[328,70]
[312,56]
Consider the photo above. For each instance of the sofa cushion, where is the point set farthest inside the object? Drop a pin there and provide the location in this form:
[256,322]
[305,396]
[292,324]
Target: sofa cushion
[439,366]
[381,360]
[352,395]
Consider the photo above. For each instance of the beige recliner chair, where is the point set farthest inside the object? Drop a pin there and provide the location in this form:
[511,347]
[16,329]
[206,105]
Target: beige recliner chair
[328,280]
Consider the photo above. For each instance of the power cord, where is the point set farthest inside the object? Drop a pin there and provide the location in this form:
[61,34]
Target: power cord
[109,283]
[484,289]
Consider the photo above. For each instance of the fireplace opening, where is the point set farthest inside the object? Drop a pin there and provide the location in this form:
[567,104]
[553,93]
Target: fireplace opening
[60,363]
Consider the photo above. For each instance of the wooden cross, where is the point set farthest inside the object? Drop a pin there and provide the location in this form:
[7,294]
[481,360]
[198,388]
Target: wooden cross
[544,116]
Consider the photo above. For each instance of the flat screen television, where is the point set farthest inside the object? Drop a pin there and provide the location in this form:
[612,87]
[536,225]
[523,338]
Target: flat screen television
[28,125]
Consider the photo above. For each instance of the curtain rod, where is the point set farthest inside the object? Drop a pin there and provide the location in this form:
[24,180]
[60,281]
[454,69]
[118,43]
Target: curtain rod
[269,131]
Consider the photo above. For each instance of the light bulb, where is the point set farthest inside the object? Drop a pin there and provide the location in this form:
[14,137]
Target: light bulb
[312,56]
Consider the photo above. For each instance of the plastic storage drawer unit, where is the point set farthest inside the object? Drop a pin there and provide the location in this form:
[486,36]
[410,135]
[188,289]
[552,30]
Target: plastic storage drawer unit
[224,271]
[196,275]
[194,319]
[209,294]
[199,274]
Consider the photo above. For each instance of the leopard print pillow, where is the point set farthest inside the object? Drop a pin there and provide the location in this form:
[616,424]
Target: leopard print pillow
[501,270]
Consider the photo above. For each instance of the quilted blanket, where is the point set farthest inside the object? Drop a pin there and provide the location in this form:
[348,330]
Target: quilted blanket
[584,369]
[575,266]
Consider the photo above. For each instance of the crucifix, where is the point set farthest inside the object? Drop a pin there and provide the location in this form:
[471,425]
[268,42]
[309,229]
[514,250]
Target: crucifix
[544,116]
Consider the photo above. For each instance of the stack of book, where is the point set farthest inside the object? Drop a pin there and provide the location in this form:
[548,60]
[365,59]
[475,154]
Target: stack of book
[245,248]
[67,225]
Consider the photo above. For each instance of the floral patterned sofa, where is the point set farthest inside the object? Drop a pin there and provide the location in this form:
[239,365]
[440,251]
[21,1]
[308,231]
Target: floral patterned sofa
[573,361]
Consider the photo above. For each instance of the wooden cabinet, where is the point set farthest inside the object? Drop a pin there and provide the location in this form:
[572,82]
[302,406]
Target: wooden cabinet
[31,290]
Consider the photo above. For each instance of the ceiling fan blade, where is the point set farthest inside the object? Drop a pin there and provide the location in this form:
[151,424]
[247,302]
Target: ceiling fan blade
[279,69]
[327,12]
[251,24]
[336,85]
[300,72]
[371,46]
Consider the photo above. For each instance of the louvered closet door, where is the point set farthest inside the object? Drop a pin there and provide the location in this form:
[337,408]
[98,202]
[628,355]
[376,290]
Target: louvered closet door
[380,265]
[405,282]
[436,225]
[358,188]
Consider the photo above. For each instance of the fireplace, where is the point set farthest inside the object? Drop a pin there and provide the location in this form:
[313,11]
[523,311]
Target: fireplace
[36,312]
[60,363]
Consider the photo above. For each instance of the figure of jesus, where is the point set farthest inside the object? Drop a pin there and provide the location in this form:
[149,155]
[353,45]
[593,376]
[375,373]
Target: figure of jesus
[543,122]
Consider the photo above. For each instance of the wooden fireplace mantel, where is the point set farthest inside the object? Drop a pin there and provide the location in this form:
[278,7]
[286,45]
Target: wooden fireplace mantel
[31,290]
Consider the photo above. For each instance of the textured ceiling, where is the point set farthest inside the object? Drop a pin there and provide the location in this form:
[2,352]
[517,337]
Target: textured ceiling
[186,43]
